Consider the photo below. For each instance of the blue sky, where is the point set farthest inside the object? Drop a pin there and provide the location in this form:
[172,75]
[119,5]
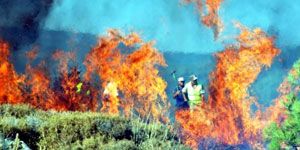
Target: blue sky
[176,27]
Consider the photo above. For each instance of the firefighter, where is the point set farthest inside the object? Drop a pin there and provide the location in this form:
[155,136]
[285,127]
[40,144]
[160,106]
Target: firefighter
[178,95]
[194,92]
[111,100]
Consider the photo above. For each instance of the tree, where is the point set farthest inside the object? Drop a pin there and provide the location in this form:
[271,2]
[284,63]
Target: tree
[287,134]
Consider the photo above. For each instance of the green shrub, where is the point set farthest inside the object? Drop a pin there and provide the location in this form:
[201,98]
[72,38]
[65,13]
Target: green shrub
[122,144]
[287,134]
[17,111]
[77,130]
[154,144]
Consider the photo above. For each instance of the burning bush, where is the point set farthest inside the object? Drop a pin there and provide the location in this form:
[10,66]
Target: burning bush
[124,64]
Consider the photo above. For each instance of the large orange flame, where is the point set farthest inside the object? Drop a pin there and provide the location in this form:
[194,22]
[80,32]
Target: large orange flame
[210,19]
[38,87]
[34,87]
[130,78]
[134,75]
[227,116]
[10,81]
[63,95]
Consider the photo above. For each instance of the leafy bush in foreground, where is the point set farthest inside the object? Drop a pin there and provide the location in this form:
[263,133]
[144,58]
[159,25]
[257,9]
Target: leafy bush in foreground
[76,130]
[287,134]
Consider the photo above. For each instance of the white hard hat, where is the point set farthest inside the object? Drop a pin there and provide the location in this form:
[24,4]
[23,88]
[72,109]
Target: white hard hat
[194,77]
[180,79]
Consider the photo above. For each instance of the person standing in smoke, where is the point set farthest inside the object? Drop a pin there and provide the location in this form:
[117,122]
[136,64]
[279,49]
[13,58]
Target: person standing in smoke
[178,95]
[194,93]
[111,100]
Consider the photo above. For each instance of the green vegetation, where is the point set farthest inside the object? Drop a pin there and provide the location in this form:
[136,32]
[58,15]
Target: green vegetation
[287,134]
[22,127]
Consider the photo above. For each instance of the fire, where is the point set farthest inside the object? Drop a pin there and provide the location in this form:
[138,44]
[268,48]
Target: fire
[227,116]
[63,94]
[122,77]
[129,79]
[37,83]
[111,102]
[210,19]
[133,74]
[10,81]
[63,59]
[35,86]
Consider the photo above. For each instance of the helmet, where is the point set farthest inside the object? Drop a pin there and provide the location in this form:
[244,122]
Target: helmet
[180,79]
[193,77]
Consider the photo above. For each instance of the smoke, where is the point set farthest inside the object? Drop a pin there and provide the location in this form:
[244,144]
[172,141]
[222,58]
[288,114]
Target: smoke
[173,26]
[166,22]
[169,22]
[20,20]
[74,25]
[278,18]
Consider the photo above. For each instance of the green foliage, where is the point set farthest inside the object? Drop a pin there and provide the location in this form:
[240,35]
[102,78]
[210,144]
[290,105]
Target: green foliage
[288,132]
[154,144]
[17,111]
[293,78]
[76,130]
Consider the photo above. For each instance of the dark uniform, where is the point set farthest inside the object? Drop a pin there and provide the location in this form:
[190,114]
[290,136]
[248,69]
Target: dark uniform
[180,103]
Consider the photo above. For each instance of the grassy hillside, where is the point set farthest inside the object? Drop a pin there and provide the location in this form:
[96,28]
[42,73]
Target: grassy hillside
[24,127]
